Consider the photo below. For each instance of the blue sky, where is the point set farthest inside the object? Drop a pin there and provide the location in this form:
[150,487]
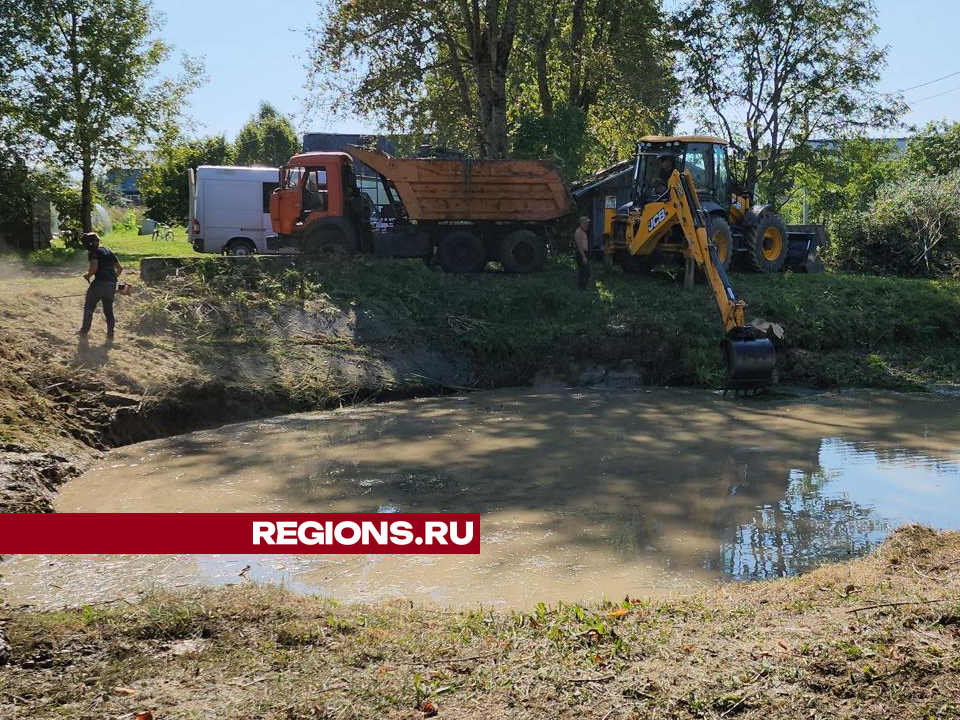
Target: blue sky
[255,50]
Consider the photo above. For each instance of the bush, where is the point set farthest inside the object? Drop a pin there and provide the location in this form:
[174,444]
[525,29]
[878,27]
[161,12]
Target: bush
[912,227]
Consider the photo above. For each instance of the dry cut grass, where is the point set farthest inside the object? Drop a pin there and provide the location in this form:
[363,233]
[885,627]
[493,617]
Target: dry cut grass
[877,637]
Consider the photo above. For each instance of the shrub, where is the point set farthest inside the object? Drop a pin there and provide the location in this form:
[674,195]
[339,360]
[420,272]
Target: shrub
[912,227]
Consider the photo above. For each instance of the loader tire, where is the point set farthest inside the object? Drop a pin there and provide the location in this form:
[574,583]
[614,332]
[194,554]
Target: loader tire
[461,252]
[723,239]
[766,244]
[522,251]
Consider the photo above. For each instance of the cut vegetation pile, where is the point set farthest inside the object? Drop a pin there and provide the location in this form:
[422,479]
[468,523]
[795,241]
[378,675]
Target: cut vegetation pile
[878,637]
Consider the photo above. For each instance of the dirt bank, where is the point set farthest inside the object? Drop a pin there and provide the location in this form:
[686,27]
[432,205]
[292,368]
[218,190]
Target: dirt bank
[236,341]
[877,637]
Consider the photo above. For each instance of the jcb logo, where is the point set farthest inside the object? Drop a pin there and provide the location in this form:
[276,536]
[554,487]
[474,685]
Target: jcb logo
[656,219]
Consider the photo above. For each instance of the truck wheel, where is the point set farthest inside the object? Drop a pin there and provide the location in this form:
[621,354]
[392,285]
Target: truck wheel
[766,244]
[522,251]
[328,239]
[722,238]
[461,252]
[240,248]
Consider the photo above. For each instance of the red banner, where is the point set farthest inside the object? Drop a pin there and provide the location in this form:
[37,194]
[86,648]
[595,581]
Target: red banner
[230,533]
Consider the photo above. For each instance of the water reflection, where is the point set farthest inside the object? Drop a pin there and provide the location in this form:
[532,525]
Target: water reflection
[844,508]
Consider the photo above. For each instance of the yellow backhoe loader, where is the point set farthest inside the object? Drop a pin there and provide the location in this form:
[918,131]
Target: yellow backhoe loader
[676,222]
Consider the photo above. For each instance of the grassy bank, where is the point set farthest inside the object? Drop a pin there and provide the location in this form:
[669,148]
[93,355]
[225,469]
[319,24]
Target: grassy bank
[877,637]
[224,341]
[843,330]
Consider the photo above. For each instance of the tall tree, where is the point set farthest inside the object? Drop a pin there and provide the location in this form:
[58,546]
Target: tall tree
[268,138]
[773,73]
[90,85]
[470,72]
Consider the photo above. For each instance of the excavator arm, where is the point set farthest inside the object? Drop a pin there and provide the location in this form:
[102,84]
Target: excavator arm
[749,355]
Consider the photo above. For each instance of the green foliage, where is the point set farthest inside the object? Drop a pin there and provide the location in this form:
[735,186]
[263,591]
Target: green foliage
[911,228]
[935,150]
[268,138]
[560,136]
[164,186]
[86,80]
[841,179]
[484,80]
[773,74]
[14,201]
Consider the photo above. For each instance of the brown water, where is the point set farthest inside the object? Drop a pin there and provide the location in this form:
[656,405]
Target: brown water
[583,495]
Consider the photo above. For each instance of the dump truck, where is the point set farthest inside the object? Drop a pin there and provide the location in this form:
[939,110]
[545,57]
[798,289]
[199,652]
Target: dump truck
[462,213]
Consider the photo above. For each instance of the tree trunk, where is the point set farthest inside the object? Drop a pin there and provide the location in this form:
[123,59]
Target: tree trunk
[750,180]
[86,195]
[496,129]
[577,27]
[543,85]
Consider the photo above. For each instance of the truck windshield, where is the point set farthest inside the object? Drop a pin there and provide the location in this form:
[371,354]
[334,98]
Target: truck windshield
[292,178]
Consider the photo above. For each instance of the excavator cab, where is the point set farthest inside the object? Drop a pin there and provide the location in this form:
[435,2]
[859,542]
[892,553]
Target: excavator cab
[705,157]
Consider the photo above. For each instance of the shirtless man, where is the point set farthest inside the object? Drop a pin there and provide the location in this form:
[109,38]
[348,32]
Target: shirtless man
[581,243]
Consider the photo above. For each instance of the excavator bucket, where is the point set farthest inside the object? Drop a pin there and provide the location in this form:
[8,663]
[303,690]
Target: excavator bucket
[750,359]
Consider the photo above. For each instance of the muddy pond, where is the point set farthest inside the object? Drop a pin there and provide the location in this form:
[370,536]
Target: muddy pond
[583,494]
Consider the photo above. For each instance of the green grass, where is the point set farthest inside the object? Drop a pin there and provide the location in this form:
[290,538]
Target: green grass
[129,247]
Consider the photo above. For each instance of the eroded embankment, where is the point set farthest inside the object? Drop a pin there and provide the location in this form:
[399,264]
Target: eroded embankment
[877,637]
[233,341]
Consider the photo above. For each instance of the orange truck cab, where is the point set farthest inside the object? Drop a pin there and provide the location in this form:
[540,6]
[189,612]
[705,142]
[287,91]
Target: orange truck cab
[319,206]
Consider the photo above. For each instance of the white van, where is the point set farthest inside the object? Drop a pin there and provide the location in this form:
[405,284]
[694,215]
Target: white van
[230,208]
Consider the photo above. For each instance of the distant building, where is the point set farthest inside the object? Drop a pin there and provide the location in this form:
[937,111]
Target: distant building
[126,181]
[831,143]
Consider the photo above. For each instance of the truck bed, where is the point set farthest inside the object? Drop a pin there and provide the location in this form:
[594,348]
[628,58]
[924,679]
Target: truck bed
[474,190]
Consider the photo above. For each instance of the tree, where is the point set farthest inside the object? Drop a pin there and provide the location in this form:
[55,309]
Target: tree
[268,138]
[839,178]
[164,186]
[88,82]
[473,74]
[774,73]
[935,150]
[604,66]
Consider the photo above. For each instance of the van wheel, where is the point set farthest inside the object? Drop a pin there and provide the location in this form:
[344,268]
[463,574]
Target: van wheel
[462,252]
[240,248]
[522,251]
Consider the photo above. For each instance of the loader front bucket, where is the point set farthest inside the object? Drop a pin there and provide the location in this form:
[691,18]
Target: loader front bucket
[750,359]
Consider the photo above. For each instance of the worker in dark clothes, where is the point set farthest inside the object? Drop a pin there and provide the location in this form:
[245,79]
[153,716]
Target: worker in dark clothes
[581,242]
[666,164]
[102,274]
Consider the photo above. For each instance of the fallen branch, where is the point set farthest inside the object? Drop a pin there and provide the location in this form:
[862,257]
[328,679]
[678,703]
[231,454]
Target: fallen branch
[901,602]
[602,678]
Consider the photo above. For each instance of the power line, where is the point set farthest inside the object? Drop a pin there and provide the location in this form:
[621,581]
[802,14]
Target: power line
[931,97]
[929,82]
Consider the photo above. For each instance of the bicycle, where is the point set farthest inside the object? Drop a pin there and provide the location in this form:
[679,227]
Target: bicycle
[162,232]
